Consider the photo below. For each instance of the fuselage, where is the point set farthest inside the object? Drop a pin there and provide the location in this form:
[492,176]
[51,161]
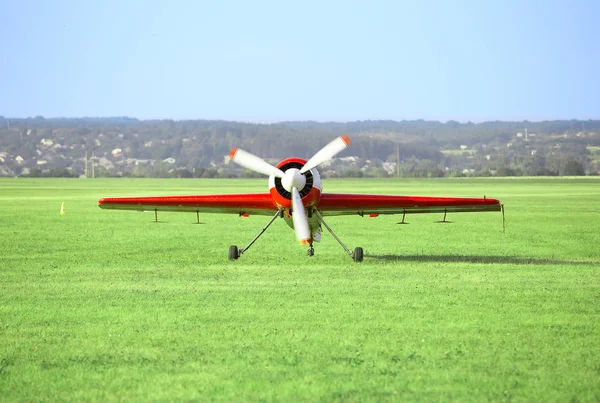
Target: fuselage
[310,193]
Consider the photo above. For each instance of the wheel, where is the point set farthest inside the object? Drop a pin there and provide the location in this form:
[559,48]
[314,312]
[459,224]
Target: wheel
[358,254]
[234,253]
[311,251]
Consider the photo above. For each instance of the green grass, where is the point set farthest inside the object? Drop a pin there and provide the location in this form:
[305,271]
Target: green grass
[109,305]
[593,149]
[457,152]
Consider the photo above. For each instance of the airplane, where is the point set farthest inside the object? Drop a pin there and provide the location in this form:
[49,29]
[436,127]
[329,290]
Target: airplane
[296,195]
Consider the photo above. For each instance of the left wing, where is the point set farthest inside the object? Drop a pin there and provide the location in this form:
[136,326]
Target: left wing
[332,204]
[250,203]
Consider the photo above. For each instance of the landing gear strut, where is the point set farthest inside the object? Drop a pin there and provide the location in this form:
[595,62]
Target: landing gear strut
[357,255]
[235,253]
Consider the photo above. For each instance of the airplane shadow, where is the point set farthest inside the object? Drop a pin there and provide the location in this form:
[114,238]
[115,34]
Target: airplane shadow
[477,259]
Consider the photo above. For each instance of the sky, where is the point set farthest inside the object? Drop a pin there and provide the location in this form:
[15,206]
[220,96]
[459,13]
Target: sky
[268,61]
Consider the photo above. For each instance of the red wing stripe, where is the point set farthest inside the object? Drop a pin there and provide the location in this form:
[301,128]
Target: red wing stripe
[234,203]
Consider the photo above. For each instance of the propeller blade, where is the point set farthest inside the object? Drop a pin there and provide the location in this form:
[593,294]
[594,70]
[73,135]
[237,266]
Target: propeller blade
[326,153]
[299,218]
[254,163]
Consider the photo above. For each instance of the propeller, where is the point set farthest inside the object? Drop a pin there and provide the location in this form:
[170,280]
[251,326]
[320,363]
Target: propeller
[326,153]
[254,163]
[293,180]
[299,218]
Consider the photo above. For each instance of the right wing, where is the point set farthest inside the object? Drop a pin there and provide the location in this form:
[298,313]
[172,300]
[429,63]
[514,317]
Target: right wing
[331,204]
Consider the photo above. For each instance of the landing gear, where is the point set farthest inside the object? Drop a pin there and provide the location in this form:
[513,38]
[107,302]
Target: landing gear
[235,253]
[357,256]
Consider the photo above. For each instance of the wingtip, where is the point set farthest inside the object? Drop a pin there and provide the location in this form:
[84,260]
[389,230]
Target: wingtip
[345,139]
[102,203]
[233,152]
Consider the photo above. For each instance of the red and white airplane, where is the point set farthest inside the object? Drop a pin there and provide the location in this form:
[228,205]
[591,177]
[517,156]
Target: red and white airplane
[296,195]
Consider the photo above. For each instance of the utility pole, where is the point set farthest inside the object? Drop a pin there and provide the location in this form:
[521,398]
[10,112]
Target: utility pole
[93,165]
[86,164]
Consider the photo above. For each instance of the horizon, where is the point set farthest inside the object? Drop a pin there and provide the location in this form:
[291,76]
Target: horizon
[295,121]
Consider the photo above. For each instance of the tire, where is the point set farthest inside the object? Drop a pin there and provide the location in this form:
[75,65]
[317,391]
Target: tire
[358,254]
[234,253]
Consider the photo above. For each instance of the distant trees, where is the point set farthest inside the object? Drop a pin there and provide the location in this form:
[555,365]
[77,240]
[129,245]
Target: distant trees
[51,173]
[426,148]
[573,168]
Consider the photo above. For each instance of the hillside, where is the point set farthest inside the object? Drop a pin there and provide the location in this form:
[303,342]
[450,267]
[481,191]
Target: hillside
[124,146]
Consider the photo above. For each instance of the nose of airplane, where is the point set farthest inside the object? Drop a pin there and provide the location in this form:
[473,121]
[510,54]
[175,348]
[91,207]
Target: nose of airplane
[293,178]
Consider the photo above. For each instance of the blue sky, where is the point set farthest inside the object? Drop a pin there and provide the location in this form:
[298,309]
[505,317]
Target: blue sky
[265,61]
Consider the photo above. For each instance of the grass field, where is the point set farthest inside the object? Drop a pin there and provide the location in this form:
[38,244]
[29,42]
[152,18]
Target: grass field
[457,152]
[109,305]
[593,149]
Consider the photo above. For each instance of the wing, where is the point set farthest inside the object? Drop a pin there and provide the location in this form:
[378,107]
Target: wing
[250,203]
[332,204]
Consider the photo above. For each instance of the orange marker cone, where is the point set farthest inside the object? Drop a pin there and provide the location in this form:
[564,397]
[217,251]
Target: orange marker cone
[62,208]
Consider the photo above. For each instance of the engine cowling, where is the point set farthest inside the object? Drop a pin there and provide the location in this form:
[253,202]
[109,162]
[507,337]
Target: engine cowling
[310,193]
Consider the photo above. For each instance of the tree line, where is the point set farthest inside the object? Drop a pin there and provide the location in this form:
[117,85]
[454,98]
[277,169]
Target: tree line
[130,147]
